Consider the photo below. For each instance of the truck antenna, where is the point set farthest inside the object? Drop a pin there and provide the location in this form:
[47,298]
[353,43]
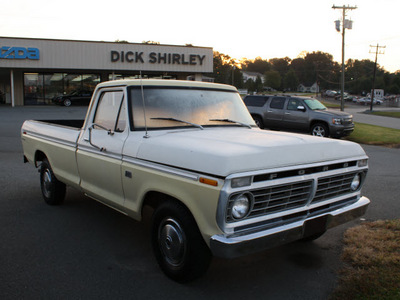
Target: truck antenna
[146,136]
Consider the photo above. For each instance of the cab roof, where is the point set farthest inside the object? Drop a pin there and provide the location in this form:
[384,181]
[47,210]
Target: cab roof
[167,83]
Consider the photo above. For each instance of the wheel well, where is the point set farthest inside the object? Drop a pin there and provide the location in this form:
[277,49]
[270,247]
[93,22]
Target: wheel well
[320,122]
[39,156]
[153,199]
[256,116]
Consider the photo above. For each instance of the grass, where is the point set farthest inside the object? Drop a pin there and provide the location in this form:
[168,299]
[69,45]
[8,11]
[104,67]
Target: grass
[375,135]
[372,250]
[393,114]
[372,258]
[330,105]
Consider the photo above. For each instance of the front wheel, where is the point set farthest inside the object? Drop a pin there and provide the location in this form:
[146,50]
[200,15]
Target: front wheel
[320,129]
[53,191]
[177,243]
[259,122]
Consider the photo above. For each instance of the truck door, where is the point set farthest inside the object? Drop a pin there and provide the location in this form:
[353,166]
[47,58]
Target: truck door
[296,115]
[99,154]
[274,114]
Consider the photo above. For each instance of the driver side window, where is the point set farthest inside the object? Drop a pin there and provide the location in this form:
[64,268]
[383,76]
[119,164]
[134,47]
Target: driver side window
[111,112]
[293,104]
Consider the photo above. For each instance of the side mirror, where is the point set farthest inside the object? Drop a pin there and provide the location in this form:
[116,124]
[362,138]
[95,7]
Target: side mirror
[301,108]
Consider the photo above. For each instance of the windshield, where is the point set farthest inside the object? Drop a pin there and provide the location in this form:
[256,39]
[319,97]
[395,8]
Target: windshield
[187,107]
[314,104]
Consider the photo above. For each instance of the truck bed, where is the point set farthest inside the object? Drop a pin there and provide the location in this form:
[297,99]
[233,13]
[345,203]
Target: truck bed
[68,123]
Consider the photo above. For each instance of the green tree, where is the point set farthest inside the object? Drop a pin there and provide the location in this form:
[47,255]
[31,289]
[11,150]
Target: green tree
[259,85]
[320,67]
[272,79]
[250,85]
[223,66]
[290,81]
[258,65]
[281,65]
[359,76]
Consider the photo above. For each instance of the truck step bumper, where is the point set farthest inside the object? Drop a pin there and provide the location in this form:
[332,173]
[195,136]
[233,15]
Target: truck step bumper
[239,245]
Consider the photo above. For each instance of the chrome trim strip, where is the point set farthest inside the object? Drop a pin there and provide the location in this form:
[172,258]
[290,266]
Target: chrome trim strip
[295,167]
[49,138]
[96,151]
[161,168]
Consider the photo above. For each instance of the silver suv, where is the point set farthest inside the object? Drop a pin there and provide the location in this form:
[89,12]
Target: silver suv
[300,114]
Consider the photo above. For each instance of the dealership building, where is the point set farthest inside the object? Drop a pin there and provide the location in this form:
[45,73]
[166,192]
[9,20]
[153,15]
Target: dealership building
[34,71]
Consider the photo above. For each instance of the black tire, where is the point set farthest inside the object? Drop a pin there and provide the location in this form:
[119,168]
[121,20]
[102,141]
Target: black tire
[178,246]
[67,102]
[259,122]
[320,129]
[53,191]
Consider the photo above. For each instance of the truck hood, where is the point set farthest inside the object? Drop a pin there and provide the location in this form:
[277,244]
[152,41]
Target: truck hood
[225,151]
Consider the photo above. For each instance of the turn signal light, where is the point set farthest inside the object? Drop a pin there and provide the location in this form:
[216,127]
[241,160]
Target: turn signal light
[208,181]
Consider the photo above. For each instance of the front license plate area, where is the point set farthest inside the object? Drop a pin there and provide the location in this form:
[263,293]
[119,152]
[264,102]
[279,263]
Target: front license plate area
[315,226]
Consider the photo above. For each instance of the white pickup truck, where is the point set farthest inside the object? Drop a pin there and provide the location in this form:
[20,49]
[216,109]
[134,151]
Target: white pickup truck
[218,184]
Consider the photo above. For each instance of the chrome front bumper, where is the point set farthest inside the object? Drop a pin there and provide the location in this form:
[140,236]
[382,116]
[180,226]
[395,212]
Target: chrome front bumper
[242,244]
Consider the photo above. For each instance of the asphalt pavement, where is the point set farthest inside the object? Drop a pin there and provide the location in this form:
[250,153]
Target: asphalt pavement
[361,114]
[84,250]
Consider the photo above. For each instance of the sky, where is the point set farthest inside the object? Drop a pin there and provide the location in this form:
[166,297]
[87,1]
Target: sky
[246,28]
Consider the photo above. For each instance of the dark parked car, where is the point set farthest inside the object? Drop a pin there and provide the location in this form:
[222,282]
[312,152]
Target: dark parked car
[299,114]
[75,97]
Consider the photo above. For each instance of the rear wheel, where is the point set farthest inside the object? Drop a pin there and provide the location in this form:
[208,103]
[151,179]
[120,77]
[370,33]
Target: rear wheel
[177,243]
[67,102]
[53,191]
[320,129]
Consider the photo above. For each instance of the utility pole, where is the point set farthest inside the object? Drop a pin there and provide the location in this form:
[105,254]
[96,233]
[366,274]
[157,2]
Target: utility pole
[377,51]
[345,24]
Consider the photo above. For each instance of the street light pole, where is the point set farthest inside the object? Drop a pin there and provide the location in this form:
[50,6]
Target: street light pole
[343,8]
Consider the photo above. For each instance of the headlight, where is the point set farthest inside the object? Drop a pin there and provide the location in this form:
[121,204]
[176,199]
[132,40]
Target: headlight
[337,121]
[355,184]
[242,205]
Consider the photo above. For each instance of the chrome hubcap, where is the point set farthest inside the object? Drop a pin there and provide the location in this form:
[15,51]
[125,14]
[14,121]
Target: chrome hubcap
[47,183]
[319,131]
[172,241]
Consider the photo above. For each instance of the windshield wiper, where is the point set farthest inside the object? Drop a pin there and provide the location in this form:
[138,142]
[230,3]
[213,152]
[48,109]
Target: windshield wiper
[181,121]
[232,121]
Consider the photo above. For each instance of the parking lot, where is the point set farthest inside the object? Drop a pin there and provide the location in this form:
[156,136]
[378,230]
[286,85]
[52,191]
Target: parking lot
[84,250]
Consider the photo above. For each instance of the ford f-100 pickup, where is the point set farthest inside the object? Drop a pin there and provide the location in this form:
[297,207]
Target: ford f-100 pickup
[218,184]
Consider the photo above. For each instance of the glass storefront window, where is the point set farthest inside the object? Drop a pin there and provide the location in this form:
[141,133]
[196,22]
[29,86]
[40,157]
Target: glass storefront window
[33,89]
[40,88]
[53,86]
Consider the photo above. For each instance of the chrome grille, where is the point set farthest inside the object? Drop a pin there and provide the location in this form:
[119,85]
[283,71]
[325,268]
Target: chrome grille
[347,121]
[279,198]
[333,186]
[276,199]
